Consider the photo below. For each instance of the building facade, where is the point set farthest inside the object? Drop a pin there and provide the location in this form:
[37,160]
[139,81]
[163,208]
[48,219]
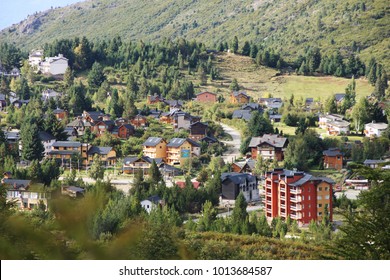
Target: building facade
[297,195]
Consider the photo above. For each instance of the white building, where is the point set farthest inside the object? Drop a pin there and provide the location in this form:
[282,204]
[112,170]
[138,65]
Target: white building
[151,203]
[35,58]
[325,119]
[50,94]
[339,127]
[47,141]
[375,129]
[54,65]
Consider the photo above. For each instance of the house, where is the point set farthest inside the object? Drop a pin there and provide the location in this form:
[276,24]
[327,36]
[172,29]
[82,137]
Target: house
[102,127]
[35,58]
[373,163]
[209,140]
[60,114]
[19,103]
[374,129]
[339,97]
[252,107]
[247,166]
[56,65]
[151,203]
[65,150]
[206,97]
[12,137]
[271,103]
[298,195]
[133,164]
[268,146]
[338,127]
[19,192]
[327,118]
[198,130]
[138,121]
[94,116]
[169,170]
[233,183]
[153,99]
[239,97]
[50,94]
[179,119]
[275,118]
[155,147]
[156,114]
[107,155]
[181,149]
[47,141]
[174,104]
[72,191]
[125,131]
[245,115]
[333,158]
[80,126]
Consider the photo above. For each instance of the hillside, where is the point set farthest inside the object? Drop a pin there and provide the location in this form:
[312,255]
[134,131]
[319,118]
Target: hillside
[287,26]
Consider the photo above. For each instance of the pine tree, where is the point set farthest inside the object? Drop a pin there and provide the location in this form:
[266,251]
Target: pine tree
[96,171]
[154,173]
[234,45]
[32,147]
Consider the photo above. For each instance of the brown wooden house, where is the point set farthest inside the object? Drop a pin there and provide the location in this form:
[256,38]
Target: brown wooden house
[239,97]
[269,146]
[125,131]
[139,121]
[206,97]
[198,130]
[333,158]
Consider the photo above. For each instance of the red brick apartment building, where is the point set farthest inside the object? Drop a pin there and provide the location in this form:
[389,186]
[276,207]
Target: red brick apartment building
[299,195]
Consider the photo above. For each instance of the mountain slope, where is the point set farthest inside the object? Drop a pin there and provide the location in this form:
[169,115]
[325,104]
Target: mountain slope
[287,26]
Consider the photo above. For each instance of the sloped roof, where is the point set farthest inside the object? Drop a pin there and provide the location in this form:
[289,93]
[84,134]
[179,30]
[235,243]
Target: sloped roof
[152,141]
[16,183]
[379,126]
[69,144]
[271,139]
[237,178]
[242,114]
[373,161]
[206,92]
[339,96]
[332,152]
[238,93]
[99,150]
[45,136]
[176,142]
[251,105]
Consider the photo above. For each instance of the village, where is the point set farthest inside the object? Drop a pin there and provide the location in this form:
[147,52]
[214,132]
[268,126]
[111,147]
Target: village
[259,173]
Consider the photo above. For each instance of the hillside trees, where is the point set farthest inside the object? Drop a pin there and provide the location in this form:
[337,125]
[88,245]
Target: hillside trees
[32,147]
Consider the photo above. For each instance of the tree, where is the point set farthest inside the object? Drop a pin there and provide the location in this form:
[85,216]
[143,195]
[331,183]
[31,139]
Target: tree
[258,125]
[50,171]
[234,45]
[331,105]
[96,171]
[380,86]
[154,173]
[32,147]
[365,233]
[96,76]
[296,154]
[360,114]
[68,77]
[246,49]
[234,85]
[209,215]
[239,215]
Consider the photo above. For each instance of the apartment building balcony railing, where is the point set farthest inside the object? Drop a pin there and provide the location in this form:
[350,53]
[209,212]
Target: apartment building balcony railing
[295,199]
[295,191]
[296,208]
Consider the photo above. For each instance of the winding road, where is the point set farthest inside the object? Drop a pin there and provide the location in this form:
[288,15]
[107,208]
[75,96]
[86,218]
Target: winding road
[233,151]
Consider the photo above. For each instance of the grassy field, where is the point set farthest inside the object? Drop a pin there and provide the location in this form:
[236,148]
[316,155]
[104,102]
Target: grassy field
[261,81]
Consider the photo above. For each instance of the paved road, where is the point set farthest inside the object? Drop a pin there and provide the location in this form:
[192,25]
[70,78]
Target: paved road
[233,151]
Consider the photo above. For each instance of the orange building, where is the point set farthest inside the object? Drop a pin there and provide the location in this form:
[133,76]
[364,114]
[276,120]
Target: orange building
[206,97]
[239,97]
[333,158]
[297,195]
[155,147]
[268,146]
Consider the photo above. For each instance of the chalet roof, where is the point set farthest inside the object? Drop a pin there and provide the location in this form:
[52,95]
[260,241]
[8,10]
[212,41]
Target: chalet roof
[339,123]
[275,117]
[237,178]
[176,142]
[174,103]
[193,142]
[199,123]
[152,141]
[2,96]
[332,152]
[306,178]
[130,160]
[79,123]
[12,135]
[250,106]
[379,126]
[238,93]
[62,152]
[99,150]
[45,136]
[154,199]
[166,168]
[373,161]
[242,114]
[94,115]
[127,126]
[271,139]
[209,139]
[58,111]
[68,144]
[74,189]
[16,183]
[339,96]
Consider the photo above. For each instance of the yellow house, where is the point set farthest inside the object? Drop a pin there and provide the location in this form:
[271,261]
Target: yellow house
[180,149]
[155,147]
[107,155]
[237,97]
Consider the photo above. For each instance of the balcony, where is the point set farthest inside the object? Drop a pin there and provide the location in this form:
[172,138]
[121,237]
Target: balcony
[295,199]
[296,216]
[296,208]
[295,191]
[283,189]
[269,210]
[283,206]
[282,197]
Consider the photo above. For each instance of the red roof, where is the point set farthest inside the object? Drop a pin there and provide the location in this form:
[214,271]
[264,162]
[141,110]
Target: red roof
[182,184]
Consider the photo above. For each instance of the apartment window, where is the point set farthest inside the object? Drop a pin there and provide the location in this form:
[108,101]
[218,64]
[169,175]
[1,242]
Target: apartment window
[326,188]
[308,198]
[320,189]
[270,152]
[320,205]
[309,214]
[326,196]
[319,213]
[319,197]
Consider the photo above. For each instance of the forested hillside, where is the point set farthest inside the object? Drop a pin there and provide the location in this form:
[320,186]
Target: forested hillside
[289,27]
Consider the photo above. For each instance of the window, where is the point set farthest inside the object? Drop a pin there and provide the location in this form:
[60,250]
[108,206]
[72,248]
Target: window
[326,196]
[326,188]
[309,214]
[319,189]
[308,198]
[319,213]
[320,205]
[319,197]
